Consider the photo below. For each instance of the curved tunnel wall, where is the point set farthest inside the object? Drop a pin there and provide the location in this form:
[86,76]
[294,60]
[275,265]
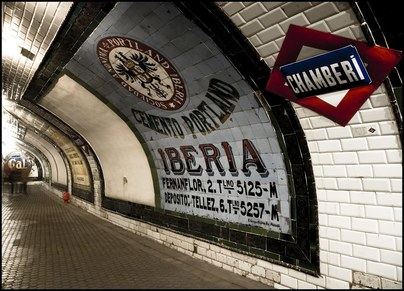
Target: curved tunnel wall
[357,168]
[214,128]
[79,174]
[360,224]
[42,163]
[127,174]
[57,165]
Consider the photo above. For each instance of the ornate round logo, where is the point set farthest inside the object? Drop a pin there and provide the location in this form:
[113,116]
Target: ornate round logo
[143,71]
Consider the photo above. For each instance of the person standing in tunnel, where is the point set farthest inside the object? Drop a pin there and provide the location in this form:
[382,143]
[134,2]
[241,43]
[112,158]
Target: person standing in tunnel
[24,187]
[12,179]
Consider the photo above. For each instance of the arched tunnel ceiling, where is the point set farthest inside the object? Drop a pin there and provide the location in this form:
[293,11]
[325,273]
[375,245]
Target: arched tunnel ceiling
[28,29]
[36,154]
[41,168]
[52,154]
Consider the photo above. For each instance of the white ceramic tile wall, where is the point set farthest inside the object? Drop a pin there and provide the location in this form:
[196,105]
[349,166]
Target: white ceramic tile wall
[358,173]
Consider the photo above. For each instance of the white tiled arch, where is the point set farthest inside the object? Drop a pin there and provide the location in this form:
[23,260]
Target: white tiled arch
[357,173]
[57,165]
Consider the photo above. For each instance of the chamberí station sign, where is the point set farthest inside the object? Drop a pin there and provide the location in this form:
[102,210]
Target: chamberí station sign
[350,70]
[332,71]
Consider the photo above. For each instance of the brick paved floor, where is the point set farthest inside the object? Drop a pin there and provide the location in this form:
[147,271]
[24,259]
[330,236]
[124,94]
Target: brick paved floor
[48,244]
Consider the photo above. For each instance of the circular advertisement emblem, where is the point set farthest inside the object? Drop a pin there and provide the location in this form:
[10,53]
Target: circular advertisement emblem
[142,71]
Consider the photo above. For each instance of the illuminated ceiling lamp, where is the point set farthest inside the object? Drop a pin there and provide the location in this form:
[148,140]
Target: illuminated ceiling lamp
[9,127]
[8,141]
[12,46]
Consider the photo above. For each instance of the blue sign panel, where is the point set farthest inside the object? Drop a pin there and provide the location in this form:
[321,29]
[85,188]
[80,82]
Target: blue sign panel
[329,72]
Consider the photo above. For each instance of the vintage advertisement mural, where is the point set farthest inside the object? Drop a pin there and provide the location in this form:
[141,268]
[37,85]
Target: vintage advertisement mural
[216,152]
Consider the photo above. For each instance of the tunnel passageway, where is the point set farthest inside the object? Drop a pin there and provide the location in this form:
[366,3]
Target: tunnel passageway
[48,244]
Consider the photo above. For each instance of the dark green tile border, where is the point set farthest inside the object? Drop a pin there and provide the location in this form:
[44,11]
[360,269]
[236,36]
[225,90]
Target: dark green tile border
[59,186]
[84,194]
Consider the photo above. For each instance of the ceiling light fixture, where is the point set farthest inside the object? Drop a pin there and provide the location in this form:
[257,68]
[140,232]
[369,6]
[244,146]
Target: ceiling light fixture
[12,46]
[26,53]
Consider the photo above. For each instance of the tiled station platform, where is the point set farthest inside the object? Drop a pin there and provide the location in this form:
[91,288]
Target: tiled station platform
[49,244]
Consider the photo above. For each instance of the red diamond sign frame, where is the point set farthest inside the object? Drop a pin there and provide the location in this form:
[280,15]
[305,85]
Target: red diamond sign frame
[380,61]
